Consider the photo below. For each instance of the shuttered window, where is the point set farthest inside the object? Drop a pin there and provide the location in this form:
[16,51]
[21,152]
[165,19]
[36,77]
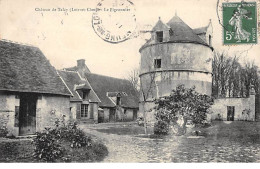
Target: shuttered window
[84,110]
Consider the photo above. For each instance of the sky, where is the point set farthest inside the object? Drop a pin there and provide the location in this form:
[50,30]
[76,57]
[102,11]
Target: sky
[66,37]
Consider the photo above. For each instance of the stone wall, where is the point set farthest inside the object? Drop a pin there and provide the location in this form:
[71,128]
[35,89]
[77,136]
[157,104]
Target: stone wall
[181,63]
[128,114]
[244,108]
[95,112]
[106,114]
[73,109]
[177,56]
[165,82]
[91,107]
[49,108]
[7,112]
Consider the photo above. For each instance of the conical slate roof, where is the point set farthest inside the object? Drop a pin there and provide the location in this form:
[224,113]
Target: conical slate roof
[182,32]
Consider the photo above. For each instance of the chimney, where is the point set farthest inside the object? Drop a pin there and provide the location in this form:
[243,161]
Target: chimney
[81,63]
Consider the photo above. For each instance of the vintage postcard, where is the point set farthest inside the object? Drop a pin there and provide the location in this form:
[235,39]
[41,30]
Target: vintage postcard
[129,81]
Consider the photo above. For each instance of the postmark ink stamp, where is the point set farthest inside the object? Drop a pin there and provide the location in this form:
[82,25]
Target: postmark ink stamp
[114,21]
[239,23]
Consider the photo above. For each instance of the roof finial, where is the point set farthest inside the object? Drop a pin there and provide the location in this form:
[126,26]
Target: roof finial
[176,13]
[159,18]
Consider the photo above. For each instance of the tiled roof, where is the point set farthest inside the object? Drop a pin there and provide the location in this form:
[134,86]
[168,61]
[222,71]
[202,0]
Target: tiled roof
[75,68]
[104,84]
[73,80]
[182,32]
[25,69]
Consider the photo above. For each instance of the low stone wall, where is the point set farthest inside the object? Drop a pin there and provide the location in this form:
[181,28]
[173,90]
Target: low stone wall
[244,108]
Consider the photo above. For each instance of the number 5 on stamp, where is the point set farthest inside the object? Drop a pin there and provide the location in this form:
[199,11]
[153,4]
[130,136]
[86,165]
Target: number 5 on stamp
[239,23]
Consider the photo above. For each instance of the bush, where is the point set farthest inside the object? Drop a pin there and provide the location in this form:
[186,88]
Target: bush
[60,142]
[100,150]
[47,147]
[96,152]
[219,118]
[140,121]
[74,135]
[161,128]
[3,131]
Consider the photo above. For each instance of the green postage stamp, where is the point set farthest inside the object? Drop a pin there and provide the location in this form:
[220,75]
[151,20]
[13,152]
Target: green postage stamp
[240,23]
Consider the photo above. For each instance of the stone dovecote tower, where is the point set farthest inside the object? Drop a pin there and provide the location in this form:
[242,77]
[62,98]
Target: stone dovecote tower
[175,54]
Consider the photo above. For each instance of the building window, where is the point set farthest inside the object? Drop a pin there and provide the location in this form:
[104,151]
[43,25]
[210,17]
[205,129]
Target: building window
[118,100]
[157,63]
[84,110]
[159,36]
[84,94]
[210,39]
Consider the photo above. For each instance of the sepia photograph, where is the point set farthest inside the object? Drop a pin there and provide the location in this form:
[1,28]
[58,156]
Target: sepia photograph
[130,81]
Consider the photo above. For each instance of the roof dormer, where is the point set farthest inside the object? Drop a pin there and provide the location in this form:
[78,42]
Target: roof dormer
[160,32]
[205,33]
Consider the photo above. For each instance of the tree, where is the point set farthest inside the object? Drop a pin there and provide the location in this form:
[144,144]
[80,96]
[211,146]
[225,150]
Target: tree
[145,86]
[230,78]
[225,71]
[147,93]
[183,104]
[133,78]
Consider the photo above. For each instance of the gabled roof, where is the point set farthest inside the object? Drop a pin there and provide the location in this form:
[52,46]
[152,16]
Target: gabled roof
[25,69]
[73,80]
[160,26]
[75,68]
[182,32]
[104,84]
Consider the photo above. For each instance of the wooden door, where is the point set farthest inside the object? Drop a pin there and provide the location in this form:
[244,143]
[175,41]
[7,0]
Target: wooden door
[134,114]
[112,116]
[100,116]
[27,114]
[230,113]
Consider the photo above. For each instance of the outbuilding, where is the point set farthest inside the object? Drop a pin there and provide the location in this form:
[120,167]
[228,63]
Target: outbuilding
[32,95]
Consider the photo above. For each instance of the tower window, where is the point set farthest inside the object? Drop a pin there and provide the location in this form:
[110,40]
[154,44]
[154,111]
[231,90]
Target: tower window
[157,63]
[159,36]
[210,39]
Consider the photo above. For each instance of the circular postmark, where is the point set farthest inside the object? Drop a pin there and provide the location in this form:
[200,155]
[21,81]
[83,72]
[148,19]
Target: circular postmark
[114,20]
